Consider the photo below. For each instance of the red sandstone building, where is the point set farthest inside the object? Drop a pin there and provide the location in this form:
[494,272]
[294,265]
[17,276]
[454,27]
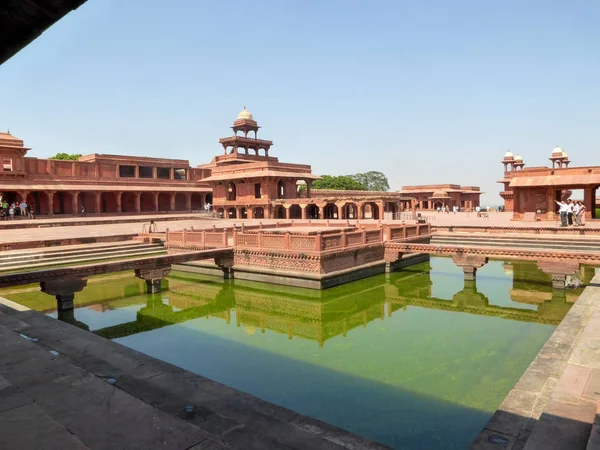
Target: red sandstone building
[433,196]
[242,183]
[532,193]
[249,183]
[99,183]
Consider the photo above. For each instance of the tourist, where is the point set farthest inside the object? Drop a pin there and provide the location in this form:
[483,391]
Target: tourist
[82,211]
[570,212]
[11,211]
[30,210]
[23,207]
[563,209]
[5,208]
[439,209]
[576,213]
[581,214]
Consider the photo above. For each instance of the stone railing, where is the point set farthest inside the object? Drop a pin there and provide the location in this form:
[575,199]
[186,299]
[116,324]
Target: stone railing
[192,239]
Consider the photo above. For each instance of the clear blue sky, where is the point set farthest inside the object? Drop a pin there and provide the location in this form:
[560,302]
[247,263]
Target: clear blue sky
[424,91]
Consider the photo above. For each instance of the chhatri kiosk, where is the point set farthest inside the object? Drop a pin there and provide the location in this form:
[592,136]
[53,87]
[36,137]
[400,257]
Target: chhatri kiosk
[532,193]
[248,183]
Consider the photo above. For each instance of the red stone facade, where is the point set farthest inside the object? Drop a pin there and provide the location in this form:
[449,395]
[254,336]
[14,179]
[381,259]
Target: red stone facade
[431,196]
[533,192]
[99,183]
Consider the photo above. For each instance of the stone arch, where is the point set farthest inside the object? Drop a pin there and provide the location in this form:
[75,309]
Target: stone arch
[231,191]
[197,201]
[258,212]
[370,210]
[87,200]
[164,201]
[62,202]
[330,211]
[148,202]
[231,213]
[108,202]
[11,197]
[181,201]
[40,202]
[312,211]
[295,212]
[349,211]
[279,212]
[128,201]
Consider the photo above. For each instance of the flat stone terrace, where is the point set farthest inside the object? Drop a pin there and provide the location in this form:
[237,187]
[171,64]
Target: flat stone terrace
[65,388]
[555,404]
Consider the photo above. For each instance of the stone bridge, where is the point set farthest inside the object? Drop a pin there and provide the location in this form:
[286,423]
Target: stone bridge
[558,264]
[64,282]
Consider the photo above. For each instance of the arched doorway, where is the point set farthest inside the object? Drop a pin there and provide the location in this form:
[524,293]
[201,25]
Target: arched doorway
[349,211]
[330,211]
[258,213]
[40,202]
[279,212]
[197,202]
[62,203]
[11,197]
[208,198]
[128,200]
[181,201]
[231,213]
[231,191]
[370,211]
[312,212]
[108,202]
[295,212]
[280,189]
[148,202]
[164,201]
[87,200]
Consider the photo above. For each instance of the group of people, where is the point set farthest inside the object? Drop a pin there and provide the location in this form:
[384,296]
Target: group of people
[9,211]
[571,213]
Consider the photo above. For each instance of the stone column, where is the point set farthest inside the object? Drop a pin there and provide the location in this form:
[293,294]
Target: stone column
[64,290]
[50,195]
[138,197]
[98,202]
[469,264]
[304,208]
[287,212]
[558,270]
[188,201]
[588,201]
[156,194]
[250,212]
[153,277]
[172,206]
[76,202]
[118,197]
[225,263]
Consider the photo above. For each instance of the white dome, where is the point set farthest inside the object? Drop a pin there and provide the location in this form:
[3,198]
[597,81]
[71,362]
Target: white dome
[508,155]
[564,154]
[557,151]
[245,114]
[518,158]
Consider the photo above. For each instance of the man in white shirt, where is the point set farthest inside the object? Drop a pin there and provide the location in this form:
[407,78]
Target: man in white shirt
[570,212]
[564,208]
[576,213]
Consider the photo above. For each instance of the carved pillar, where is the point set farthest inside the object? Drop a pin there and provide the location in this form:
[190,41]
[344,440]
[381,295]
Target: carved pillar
[558,270]
[249,212]
[156,195]
[76,202]
[153,277]
[50,195]
[98,202]
[188,201]
[225,263]
[588,201]
[172,206]
[64,290]
[304,211]
[469,264]
[118,198]
[361,211]
[287,212]
[138,197]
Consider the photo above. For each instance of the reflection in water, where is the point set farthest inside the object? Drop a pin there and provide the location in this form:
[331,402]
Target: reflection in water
[416,359]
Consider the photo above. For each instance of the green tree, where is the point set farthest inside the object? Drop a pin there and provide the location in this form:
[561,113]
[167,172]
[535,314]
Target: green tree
[341,182]
[372,181]
[66,156]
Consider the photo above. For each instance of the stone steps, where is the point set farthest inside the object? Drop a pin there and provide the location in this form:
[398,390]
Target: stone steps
[559,243]
[80,254]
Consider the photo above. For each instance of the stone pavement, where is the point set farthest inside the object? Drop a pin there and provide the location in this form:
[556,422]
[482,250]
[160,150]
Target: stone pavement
[65,388]
[554,405]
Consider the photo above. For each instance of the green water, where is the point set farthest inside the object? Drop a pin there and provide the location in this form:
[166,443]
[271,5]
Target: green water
[417,359]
